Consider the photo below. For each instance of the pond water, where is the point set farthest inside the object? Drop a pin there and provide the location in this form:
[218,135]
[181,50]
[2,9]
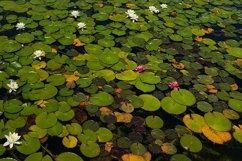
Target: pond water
[102,80]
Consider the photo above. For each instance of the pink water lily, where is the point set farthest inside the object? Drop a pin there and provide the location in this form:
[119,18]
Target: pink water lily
[139,68]
[174,85]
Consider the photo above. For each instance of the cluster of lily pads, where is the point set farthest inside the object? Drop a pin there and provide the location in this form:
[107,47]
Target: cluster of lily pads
[118,79]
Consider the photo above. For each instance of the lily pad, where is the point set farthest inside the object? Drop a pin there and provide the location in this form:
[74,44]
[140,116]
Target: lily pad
[104,135]
[127,75]
[47,92]
[45,121]
[217,121]
[191,143]
[137,148]
[194,122]
[171,106]
[235,105]
[29,145]
[183,97]
[35,157]
[101,99]
[180,157]
[235,51]
[67,156]
[90,149]
[154,122]
[151,103]
[24,38]
[150,78]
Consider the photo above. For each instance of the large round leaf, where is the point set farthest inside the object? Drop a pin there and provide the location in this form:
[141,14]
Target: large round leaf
[101,99]
[154,122]
[144,87]
[47,92]
[127,75]
[180,157]
[183,97]
[150,78]
[29,145]
[171,106]
[217,121]
[104,135]
[235,104]
[194,122]
[137,148]
[68,156]
[24,38]
[90,149]
[191,143]
[151,103]
[45,120]
[109,58]
[238,133]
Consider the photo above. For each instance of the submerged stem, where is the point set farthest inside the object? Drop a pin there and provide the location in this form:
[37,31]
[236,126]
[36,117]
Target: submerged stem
[48,151]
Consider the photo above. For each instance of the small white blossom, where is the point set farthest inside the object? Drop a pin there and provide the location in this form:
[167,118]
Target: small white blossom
[13,86]
[38,54]
[82,25]
[163,6]
[153,9]
[129,12]
[132,15]
[20,26]
[75,13]
[12,138]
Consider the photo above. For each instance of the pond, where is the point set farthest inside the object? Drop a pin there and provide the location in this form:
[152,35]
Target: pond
[121,80]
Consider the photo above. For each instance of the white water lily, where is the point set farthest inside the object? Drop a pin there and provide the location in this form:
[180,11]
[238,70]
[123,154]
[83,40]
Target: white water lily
[12,138]
[82,25]
[129,12]
[38,54]
[132,15]
[153,9]
[75,13]
[163,6]
[20,26]
[13,86]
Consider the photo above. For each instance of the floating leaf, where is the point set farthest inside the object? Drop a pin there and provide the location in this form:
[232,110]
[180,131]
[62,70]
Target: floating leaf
[69,141]
[180,157]
[35,157]
[101,99]
[68,156]
[127,75]
[137,148]
[235,51]
[104,135]
[132,157]
[123,117]
[47,92]
[149,77]
[171,106]
[168,148]
[154,122]
[151,103]
[217,121]
[70,79]
[191,143]
[44,120]
[235,104]
[90,149]
[194,122]
[238,133]
[216,136]
[183,97]
[231,114]
[29,145]
[24,38]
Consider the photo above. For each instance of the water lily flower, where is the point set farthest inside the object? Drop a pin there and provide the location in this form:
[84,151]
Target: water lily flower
[38,54]
[20,26]
[12,138]
[163,6]
[132,15]
[139,68]
[75,13]
[82,25]
[174,85]
[13,86]
[129,12]
[153,9]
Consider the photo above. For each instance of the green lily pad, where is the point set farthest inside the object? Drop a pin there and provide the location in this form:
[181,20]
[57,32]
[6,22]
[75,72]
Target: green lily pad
[144,87]
[74,128]
[127,75]
[191,143]
[13,106]
[109,58]
[138,148]
[37,132]
[90,149]
[84,82]
[45,121]
[171,106]
[29,145]
[175,37]
[180,157]
[108,75]
[235,51]
[151,103]
[8,159]
[65,116]
[204,106]
[183,97]
[150,78]
[24,38]
[235,104]
[154,122]
[56,80]
[194,122]
[47,92]
[205,79]
[104,135]
[101,99]
[35,157]
[106,42]
[217,121]
[55,130]
[67,156]
[136,101]
[11,46]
